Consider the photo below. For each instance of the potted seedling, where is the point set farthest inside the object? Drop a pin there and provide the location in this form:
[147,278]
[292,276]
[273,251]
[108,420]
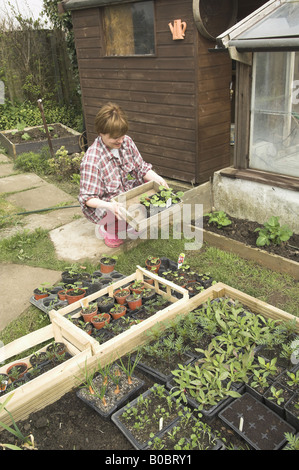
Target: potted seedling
[75,293]
[194,288]
[71,274]
[153,263]
[3,382]
[17,370]
[38,358]
[121,295]
[105,303]
[100,319]
[137,287]
[88,311]
[56,348]
[148,294]
[276,397]
[42,291]
[117,311]
[107,263]
[134,301]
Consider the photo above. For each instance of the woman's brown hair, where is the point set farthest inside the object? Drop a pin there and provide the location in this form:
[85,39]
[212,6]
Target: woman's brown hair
[112,120]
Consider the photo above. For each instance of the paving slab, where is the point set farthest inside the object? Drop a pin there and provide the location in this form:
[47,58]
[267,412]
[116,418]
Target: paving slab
[17,285]
[45,196]
[19,182]
[7,169]
[77,241]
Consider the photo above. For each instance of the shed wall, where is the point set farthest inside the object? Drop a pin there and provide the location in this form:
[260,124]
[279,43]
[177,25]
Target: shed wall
[177,101]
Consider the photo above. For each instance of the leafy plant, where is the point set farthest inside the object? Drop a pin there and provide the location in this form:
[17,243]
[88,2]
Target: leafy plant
[218,218]
[273,233]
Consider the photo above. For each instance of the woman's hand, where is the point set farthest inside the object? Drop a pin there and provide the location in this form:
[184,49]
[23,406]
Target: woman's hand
[153,176]
[118,210]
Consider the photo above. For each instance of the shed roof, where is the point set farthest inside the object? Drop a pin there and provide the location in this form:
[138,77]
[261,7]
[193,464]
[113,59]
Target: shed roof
[274,26]
[68,5]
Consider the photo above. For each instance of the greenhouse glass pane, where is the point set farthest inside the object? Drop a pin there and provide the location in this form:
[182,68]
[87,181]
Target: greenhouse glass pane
[283,22]
[274,138]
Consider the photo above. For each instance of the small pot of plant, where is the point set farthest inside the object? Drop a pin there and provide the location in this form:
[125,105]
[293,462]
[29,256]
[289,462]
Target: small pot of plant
[88,311]
[137,287]
[194,288]
[17,370]
[153,264]
[121,295]
[107,263]
[56,348]
[105,303]
[134,301]
[148,294]
[117,311]
[100,319]
[70,275]
[276,397]
[38,358]
[42,291]
[75,293]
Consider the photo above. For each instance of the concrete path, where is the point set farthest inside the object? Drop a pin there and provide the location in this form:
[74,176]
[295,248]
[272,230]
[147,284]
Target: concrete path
[72,235]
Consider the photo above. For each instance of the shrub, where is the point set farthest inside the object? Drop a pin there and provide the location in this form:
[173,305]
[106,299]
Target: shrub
[33,162]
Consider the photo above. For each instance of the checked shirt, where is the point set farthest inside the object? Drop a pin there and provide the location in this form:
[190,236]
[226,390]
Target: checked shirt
[105,175]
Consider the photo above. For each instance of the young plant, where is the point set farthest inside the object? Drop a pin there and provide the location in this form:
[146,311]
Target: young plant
[130,367]
[277,395]
[273,233]
[27,441]
[218,218]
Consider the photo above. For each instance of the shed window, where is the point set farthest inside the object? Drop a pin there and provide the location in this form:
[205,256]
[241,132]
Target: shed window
[274,140]
[129,29]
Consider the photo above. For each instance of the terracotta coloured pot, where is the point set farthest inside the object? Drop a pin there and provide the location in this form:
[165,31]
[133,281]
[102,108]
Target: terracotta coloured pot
[73,298]
[100,324]
[40,295]
[134,303]
[88,316]
[107,268]
[153,268]
[61,294]
[116,315]
[137,290]
[122,298]
[22,368]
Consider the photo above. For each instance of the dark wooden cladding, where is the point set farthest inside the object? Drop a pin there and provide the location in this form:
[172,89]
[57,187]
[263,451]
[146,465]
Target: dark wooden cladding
[177,101]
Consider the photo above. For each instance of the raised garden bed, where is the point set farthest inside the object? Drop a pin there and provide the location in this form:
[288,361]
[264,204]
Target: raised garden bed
[240,238]
[33,139]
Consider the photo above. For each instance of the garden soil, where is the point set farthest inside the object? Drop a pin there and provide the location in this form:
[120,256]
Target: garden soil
[244,232]
[69,424]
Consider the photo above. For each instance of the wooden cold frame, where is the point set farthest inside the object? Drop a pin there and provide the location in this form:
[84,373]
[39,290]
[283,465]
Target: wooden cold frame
[125,339]
[50,386]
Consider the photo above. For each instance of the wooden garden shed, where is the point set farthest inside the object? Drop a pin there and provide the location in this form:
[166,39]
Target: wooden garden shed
[176,90]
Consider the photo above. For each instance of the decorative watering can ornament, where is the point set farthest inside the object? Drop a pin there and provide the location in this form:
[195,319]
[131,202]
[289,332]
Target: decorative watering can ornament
[178,29]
